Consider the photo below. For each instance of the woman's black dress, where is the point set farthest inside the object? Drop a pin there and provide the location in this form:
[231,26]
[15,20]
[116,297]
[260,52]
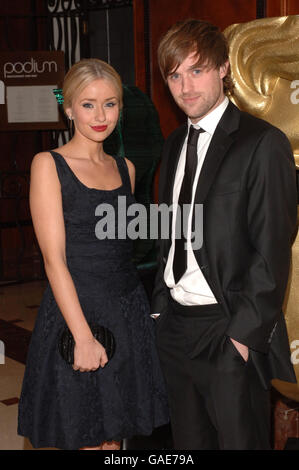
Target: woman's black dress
[68,409]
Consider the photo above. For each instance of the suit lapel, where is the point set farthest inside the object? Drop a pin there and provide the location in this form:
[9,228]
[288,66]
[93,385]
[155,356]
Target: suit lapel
[220,143]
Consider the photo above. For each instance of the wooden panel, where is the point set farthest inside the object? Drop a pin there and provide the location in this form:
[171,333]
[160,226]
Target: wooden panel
[275,7]
[16,7]
[282,7]
[139,45]
[221,13]
[292,7]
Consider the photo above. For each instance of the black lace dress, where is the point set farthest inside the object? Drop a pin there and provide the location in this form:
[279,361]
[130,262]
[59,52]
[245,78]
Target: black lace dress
[68,409]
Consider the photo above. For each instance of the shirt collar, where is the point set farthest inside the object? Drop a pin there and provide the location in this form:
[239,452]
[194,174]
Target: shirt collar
[211,120]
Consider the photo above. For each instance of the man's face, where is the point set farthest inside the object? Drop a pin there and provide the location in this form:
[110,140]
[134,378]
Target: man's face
[197,90]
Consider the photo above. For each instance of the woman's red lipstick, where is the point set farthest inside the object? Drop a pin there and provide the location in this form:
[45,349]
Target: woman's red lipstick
[99,128]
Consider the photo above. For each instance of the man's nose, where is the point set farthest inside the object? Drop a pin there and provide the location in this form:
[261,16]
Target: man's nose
[186,84]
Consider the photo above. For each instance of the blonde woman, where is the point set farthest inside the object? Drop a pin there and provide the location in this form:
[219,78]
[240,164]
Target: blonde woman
[93,403]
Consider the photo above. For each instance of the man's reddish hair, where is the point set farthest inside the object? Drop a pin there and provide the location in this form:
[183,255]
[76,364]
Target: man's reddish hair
[203,38]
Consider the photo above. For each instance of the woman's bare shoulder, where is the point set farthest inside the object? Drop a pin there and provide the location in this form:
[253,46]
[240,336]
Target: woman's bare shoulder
[45,158]
[43,167]
[130,165]
[42,158]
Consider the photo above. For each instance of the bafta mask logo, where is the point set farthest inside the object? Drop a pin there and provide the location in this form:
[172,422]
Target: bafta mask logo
[264,60]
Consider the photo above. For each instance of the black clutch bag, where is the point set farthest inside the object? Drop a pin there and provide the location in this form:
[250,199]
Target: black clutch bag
[102,334]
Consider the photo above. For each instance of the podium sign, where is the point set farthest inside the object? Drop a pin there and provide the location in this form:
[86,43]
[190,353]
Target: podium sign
[27,80]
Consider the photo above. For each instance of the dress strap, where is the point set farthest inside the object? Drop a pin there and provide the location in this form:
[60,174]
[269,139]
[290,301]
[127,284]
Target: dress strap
[61,167]
[65,173]
[124,172]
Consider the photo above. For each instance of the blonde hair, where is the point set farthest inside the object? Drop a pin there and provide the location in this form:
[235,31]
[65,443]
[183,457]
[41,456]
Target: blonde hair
[84,72]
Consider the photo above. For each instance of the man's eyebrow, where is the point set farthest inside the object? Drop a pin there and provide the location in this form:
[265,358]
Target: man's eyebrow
[198,66]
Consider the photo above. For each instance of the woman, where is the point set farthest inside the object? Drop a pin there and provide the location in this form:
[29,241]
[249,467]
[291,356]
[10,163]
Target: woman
[94,403]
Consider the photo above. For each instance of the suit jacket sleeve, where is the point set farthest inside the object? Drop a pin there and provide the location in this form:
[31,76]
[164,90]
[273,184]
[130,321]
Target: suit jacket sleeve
[271,216]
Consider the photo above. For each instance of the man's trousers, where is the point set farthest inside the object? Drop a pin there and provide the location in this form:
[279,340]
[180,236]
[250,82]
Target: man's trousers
[215,397]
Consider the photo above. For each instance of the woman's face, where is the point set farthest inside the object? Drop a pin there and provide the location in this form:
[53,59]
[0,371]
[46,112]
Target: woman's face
[95,110]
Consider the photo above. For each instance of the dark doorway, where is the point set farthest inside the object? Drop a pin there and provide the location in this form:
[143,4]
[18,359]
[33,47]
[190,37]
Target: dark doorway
[111,39]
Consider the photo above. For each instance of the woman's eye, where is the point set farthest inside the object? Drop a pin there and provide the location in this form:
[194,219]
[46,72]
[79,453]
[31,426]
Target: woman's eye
[111,104]
[87,105]
[196,71]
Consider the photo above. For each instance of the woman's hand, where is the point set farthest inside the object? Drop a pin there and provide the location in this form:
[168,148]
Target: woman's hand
[89,355]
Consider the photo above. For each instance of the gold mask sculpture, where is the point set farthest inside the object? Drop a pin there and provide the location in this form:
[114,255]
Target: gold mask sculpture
[264,58]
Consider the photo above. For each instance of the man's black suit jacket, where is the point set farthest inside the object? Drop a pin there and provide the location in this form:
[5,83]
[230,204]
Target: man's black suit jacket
[247,186]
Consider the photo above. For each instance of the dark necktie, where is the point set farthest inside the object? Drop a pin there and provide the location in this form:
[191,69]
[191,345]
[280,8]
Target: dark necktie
[180,253]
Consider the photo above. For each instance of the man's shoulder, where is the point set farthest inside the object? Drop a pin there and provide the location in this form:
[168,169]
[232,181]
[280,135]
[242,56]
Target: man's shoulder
[179,132]
[256,125]
[256,133]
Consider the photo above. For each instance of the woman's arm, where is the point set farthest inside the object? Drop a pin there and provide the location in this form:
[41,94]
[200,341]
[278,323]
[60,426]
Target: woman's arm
[47,215]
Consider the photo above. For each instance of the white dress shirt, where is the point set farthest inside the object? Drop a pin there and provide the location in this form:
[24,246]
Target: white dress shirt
[192,288]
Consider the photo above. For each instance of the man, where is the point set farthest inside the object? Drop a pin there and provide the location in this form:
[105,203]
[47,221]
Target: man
[221,334]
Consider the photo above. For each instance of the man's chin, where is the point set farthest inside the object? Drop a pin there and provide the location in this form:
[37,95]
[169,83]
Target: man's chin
[196,116]
[193,114]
